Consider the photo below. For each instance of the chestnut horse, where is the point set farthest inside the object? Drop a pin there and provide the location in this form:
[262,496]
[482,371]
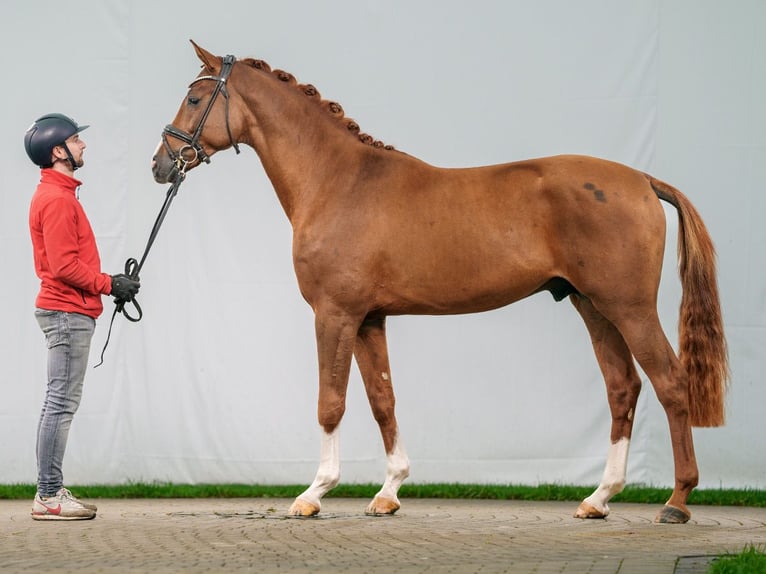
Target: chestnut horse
[377,232]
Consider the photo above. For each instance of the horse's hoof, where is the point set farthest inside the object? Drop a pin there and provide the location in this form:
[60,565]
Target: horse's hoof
[303,507]
[586,510]
[380,506]
[672,515]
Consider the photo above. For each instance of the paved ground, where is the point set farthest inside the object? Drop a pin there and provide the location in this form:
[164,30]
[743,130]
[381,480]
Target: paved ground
[461,536]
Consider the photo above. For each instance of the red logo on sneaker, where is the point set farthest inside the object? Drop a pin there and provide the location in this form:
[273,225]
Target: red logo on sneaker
[52,510]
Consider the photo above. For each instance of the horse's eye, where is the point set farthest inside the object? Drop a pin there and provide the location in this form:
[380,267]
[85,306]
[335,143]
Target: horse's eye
[193,100]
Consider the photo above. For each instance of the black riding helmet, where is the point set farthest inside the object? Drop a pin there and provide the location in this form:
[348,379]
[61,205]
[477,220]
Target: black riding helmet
[46,133]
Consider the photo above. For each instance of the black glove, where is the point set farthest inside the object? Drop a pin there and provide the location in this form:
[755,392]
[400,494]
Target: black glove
[124,288]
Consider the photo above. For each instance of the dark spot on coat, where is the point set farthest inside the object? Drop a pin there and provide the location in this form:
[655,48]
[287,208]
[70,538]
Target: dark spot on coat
[599,195]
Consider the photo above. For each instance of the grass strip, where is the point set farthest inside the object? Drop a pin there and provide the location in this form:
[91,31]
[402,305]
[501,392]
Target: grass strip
[543,492]
[751,560]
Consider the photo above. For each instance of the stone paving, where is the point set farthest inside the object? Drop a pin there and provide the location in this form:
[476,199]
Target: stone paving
[459,536]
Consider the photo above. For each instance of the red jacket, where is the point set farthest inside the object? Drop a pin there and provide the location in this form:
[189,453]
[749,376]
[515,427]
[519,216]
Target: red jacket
[65,251]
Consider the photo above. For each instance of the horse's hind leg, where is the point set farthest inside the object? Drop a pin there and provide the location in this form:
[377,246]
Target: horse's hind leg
[371,355]
[650,347]
[622,386]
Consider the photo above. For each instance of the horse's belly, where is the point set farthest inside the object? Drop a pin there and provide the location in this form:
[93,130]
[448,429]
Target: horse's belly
[459,293]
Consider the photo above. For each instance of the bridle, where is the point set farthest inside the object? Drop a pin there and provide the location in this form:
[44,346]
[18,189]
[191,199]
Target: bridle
[132,266]
[192,140]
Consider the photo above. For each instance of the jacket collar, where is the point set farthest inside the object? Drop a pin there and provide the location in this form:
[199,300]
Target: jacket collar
[52,176]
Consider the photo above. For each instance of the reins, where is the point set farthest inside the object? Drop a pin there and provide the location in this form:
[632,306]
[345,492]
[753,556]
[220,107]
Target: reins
[133,267]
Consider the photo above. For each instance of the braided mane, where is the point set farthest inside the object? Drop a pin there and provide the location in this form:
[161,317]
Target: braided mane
[334,108]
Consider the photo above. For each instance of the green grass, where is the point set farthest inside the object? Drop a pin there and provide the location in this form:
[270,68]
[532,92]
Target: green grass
[752,560]
[650,495]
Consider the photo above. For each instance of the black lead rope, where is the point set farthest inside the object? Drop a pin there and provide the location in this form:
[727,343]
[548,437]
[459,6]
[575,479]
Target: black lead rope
[133,267]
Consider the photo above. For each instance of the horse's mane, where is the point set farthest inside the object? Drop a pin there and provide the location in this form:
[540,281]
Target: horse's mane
[334,108]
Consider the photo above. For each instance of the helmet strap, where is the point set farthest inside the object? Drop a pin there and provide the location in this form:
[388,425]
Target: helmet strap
[69,157]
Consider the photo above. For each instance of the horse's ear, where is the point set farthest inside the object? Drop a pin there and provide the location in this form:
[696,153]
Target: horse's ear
[211,62]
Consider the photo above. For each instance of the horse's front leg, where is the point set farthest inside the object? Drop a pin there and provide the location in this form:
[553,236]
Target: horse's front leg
[335,334]
[371,354]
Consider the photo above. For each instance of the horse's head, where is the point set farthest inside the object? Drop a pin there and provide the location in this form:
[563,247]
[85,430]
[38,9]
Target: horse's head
[203,124]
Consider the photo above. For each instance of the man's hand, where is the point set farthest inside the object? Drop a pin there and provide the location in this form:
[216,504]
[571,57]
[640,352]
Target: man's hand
[124,288]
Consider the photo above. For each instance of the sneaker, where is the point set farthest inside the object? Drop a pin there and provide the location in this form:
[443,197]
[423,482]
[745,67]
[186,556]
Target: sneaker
[61,506]
[66,491]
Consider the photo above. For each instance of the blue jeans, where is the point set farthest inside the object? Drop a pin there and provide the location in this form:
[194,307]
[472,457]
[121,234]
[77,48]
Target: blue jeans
[68,338]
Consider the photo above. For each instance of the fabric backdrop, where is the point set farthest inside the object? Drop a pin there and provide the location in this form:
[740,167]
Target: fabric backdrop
[218,383]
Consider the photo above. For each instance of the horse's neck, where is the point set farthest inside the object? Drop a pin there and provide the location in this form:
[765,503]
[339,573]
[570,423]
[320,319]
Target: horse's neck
[298,142]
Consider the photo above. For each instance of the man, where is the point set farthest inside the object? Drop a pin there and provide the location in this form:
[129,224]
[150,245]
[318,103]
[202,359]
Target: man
[69,301]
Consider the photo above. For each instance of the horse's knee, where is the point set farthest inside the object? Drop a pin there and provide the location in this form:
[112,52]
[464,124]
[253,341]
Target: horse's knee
[329,416]
[384,415]
[622,398]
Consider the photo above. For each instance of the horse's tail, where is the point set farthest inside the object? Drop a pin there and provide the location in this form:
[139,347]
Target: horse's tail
[702,344]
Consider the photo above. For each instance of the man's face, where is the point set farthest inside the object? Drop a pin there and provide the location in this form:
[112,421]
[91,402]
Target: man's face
[76,147]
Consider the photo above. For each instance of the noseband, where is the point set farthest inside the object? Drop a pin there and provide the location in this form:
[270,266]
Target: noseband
[192,140]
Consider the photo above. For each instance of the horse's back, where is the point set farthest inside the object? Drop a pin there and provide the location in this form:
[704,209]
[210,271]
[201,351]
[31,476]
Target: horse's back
[552,210]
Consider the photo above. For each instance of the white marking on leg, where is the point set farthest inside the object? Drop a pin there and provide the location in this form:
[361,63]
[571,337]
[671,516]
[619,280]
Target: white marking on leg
[613,480]
[328,474]
[397,469]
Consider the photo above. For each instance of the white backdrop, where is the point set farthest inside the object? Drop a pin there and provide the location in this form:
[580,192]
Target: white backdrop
[218,382]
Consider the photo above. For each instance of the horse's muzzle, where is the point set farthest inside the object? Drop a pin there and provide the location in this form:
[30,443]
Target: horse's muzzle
[163,169]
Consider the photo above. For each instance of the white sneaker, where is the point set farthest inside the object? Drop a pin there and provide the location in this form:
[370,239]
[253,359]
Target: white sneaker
[66,491]
[61,506]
